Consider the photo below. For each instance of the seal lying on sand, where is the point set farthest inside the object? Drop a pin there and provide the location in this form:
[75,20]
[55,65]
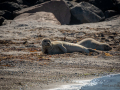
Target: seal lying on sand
[92,43]
[59,47]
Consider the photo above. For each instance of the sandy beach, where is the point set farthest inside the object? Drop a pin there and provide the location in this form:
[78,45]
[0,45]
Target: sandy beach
[24,67]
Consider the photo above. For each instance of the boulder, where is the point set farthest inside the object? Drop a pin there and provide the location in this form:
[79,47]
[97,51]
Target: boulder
[110,13]
[6,14]
[41,1]
[104,4]
[22,3]
[71,3]
[87,13]
[25,2]
[1,20]
[7,1]
[81,0]
[40,17]
[118,5]
[58,8]
[33,2]
[9,6]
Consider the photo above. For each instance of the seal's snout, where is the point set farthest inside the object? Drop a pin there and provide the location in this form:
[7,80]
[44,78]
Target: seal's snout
[107,48]
[48,43]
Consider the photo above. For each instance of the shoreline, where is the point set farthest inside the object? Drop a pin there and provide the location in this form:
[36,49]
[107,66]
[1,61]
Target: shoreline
[58,85]
[80,82]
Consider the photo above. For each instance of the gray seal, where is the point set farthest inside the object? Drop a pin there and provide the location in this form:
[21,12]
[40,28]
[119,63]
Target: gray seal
[92,43]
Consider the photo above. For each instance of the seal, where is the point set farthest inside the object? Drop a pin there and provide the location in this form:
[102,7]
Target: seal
[92,43]
[60,47]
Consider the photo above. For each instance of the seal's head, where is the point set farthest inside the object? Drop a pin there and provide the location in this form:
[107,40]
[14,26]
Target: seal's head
[107,47]
[46,42]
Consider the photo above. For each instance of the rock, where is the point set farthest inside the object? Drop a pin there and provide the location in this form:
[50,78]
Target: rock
[118,5]
[1,1]
[22,3]
[1,20]
[104,4]
[81,0]
[6,14]
[110,13]
[87,13]
[45,17]
[41,1]
[25,2]
[71,3]
[74,20]
[33,2]
[58,8]
[9,6]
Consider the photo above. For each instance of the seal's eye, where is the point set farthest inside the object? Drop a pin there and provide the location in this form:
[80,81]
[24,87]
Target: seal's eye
[44,40]
[106,46]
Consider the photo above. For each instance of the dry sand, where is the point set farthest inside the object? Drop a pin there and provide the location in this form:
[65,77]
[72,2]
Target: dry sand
[24,67]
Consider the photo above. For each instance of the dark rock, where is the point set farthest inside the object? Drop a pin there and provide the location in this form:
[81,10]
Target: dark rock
[74,20]
[101,35]
[25,2]
[104,4]
[71,3]
[87,13]
[1,78]
[112,18]
[23,6]
[6,14]
[111,36]
[79,0]
[21,25]
[58,8]
[110,13]
[41,1]
[22,3]
[1,20]
[29,2]
[114,33]
[25,42]
[32,2]
[1,1]
[9,6]
[107,40]
[118,5]
[102,38]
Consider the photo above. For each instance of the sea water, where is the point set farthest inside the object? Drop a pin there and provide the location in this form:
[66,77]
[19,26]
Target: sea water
[109,82]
